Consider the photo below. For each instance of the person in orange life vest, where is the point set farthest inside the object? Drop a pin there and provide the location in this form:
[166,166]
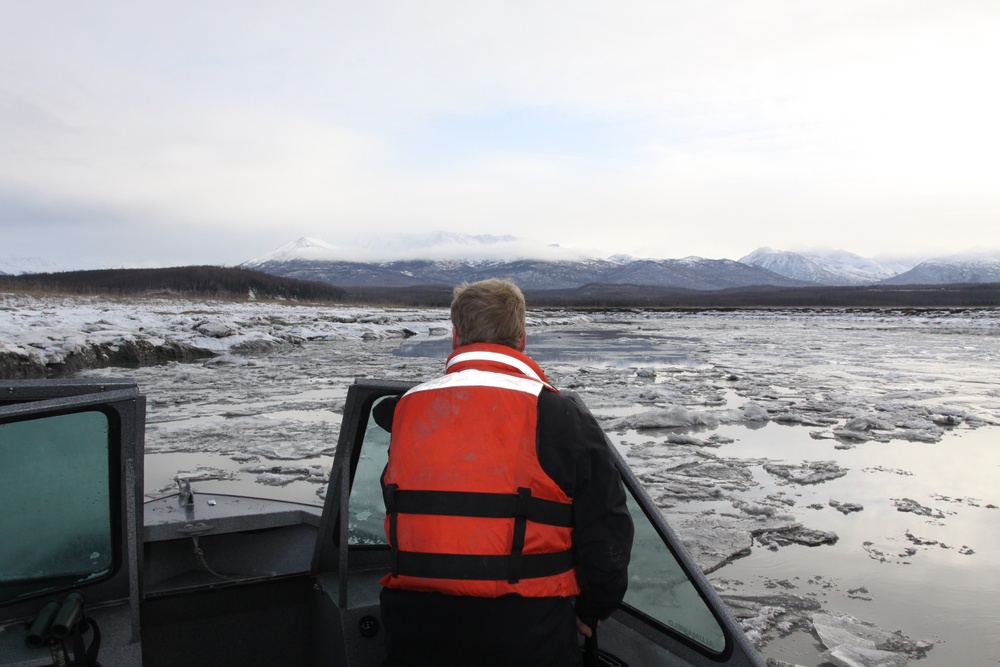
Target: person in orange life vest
[505,513]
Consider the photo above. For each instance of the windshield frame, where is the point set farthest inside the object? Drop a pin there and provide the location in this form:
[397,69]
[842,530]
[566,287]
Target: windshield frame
[124,408]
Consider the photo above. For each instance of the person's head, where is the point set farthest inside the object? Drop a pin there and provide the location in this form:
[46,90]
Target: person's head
[488,311]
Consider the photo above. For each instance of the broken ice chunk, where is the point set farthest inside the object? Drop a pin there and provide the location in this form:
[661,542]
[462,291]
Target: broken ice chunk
[848,655]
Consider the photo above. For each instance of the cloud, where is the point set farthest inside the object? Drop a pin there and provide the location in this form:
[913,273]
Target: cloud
[653,128]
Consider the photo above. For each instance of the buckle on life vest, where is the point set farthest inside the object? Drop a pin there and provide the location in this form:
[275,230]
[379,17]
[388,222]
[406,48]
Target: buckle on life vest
[520,528]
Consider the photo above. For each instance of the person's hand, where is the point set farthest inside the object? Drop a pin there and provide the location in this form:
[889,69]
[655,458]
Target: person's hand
[585,629]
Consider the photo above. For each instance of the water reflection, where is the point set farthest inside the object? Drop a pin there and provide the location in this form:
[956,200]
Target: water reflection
[616,348]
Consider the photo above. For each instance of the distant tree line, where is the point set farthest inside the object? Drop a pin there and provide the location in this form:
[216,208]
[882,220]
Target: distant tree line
[427,296]
[193,281]
[242,284]
[964,295]
[600,295]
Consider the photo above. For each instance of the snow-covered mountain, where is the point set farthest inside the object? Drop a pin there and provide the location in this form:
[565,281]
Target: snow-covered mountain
[451,258]
[19,265]
[305,248]
[448,258]
[454,258]
[435,246]
[838,267]
[949,271]
[826,267]
[705,274]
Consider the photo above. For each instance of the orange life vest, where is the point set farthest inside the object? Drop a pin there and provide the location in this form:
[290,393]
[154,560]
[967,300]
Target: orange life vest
[470,511]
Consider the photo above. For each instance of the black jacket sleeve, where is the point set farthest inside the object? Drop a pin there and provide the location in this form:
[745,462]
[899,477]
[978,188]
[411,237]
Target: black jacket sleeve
[384,411]
[573,451]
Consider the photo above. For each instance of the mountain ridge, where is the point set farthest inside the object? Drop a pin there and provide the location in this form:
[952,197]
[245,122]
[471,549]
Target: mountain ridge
[704,274]
[451,258]
[314,259]
[824,267]
[940,272]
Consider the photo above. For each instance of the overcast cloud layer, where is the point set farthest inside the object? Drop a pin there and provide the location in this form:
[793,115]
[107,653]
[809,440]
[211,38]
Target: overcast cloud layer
[159,133]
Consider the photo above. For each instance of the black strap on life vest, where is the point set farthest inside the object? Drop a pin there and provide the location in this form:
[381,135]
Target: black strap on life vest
[480,568]
[521,507]
[482,505]
[517,541]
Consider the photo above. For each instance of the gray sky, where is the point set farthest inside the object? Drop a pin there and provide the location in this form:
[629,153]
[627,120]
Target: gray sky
[162,133]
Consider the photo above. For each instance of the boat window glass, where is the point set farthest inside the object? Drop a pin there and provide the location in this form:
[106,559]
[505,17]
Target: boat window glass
[57,526]
[660,589]
[367,510]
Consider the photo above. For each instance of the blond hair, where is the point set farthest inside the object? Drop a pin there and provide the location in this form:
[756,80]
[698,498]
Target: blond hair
[489,311]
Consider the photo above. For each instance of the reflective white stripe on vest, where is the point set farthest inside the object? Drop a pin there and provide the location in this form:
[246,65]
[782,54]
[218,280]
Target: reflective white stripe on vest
[495,357]
[477,378]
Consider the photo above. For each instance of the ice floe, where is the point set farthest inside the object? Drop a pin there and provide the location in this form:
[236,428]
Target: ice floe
[807,472]
[853,643]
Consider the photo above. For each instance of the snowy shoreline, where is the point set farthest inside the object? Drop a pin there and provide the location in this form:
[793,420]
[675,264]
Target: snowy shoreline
[53,336]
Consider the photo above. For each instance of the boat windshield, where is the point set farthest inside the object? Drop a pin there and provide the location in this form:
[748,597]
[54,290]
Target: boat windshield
[58,526]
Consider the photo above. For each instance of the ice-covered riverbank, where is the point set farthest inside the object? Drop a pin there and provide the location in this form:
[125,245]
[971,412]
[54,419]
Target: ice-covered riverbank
[56,336]
[818,464]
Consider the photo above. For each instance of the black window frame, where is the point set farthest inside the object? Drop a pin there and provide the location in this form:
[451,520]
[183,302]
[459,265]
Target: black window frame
[124,408]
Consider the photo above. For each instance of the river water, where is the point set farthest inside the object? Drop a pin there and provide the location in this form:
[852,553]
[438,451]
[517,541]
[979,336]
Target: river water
[899,411]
